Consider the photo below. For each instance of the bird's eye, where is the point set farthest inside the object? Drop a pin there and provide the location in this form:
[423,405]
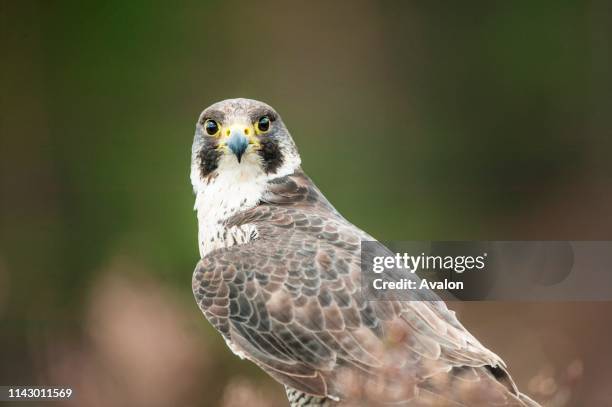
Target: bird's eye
[211,127]
[263,124]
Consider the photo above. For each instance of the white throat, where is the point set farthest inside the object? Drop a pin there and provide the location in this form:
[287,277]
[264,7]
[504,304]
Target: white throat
[233,188]
[236,187]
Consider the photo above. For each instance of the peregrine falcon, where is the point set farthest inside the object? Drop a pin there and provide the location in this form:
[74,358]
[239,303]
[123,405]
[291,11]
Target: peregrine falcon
[279,278]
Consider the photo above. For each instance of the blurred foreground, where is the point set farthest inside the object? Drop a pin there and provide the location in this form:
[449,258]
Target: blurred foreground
[142,344]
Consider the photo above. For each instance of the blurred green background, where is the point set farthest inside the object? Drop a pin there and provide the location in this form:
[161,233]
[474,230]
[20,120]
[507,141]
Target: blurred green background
[418,120]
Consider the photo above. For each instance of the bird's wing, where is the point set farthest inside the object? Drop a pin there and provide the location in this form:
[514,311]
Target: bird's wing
[290,301]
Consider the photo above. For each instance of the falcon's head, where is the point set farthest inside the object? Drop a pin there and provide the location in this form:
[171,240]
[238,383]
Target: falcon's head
[243,136]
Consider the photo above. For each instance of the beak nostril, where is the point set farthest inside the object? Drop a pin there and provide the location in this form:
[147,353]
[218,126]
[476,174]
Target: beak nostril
[246,131]
[227,132]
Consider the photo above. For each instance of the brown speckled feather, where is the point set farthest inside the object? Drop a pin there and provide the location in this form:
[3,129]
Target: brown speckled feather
[290,301]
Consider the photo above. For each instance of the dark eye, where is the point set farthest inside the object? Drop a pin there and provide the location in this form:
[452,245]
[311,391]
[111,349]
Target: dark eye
[211,127]
[263,124]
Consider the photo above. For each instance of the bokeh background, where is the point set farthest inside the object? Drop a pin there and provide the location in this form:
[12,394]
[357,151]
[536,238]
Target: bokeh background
[418,120]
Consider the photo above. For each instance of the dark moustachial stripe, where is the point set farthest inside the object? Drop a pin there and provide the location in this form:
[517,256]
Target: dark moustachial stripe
[209,156]
[271,154]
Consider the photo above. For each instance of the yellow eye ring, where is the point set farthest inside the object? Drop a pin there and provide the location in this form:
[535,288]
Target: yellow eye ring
[263,124]
[212,127]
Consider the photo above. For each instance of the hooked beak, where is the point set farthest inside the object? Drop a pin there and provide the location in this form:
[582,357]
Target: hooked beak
[238,139]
